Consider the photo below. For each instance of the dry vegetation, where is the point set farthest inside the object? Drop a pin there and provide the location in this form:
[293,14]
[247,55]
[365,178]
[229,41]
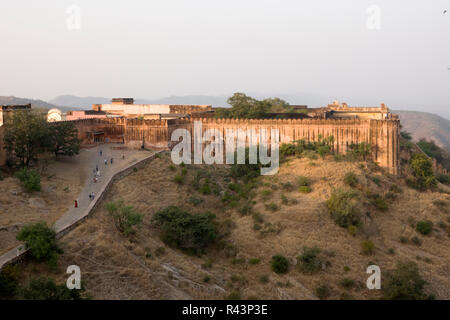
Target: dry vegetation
[283,221]
[61,182]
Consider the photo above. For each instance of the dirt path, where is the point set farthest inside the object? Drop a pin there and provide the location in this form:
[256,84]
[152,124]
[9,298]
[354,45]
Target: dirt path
[86,164]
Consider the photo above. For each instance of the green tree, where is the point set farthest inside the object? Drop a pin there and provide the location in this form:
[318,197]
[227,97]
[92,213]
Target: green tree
[25,136]
[30,179]
[431,149]
[126,218]
[404,283]
[277,105]
[41,241]
[181,229]
[63,139]
[280,264]
[422,168]
[46,289]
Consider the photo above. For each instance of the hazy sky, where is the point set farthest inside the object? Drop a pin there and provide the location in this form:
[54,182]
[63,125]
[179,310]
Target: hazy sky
[151,49]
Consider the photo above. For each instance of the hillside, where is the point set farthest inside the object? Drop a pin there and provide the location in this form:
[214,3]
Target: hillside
[11,100]
[426,125]
[280,220]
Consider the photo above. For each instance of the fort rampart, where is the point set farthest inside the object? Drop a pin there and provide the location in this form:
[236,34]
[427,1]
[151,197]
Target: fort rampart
[382,135]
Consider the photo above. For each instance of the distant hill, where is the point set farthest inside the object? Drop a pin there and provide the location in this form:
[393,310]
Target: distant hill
[78,102]
[11,100]
[426,125]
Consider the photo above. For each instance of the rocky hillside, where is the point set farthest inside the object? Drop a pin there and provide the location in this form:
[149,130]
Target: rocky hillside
[426,125]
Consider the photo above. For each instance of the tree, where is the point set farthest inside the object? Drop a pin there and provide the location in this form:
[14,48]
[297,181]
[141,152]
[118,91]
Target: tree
[189,232]
[125,217]
[63,139]
[25,136]
[277,105]
[41,241]
[46,289]
[404,283]
[30,179]
[431,149]
[423,171]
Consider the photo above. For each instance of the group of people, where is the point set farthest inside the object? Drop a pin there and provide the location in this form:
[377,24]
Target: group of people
[96,173]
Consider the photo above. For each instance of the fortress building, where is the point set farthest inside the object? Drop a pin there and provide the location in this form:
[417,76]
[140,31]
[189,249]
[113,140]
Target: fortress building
[150,125]
[126,107]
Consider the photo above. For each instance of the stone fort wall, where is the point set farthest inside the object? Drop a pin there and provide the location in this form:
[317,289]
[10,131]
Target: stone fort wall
[383,135]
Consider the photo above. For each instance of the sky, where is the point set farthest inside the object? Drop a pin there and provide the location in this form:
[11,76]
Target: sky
[362,52]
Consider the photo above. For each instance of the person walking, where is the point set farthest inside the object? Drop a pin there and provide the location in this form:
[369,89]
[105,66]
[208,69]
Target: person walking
[101,152]
[111,160]
[76,203]
[93,195]
[96,167]
[123,156]
[106,162]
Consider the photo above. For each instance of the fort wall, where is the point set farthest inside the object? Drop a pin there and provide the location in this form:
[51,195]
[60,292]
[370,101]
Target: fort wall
[383,135]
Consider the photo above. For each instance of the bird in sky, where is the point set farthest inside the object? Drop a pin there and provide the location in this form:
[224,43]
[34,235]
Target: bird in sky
[445,11]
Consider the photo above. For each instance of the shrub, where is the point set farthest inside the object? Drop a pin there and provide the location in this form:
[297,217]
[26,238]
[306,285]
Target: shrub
[303,181]
[367,247]
[404,283]
[266,194]
[350,179]
[431,149]
[271,206]
[254,261]
[234,295]
[172,167]
[264,279]
[31,181]
[205,189]
[416,240]
[424,227]
[126,218]
[178,179]
[343,208]
[352,230]
[186,231]
[359,151]
[41,241]
[195,201]
[444,178]
[287,186]
[47,289]
[246,171]
[280,264]
[423,172]
[309,261]
[347,283]
[406,135]
[9,277]
[395,188]
[304,189]
[323,292]
[206,278]
[378,202]
[403,239]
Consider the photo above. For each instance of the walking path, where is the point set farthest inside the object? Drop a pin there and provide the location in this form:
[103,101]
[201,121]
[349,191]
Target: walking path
[85,204]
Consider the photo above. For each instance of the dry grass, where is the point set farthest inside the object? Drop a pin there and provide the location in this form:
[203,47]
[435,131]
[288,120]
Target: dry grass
[115,267]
